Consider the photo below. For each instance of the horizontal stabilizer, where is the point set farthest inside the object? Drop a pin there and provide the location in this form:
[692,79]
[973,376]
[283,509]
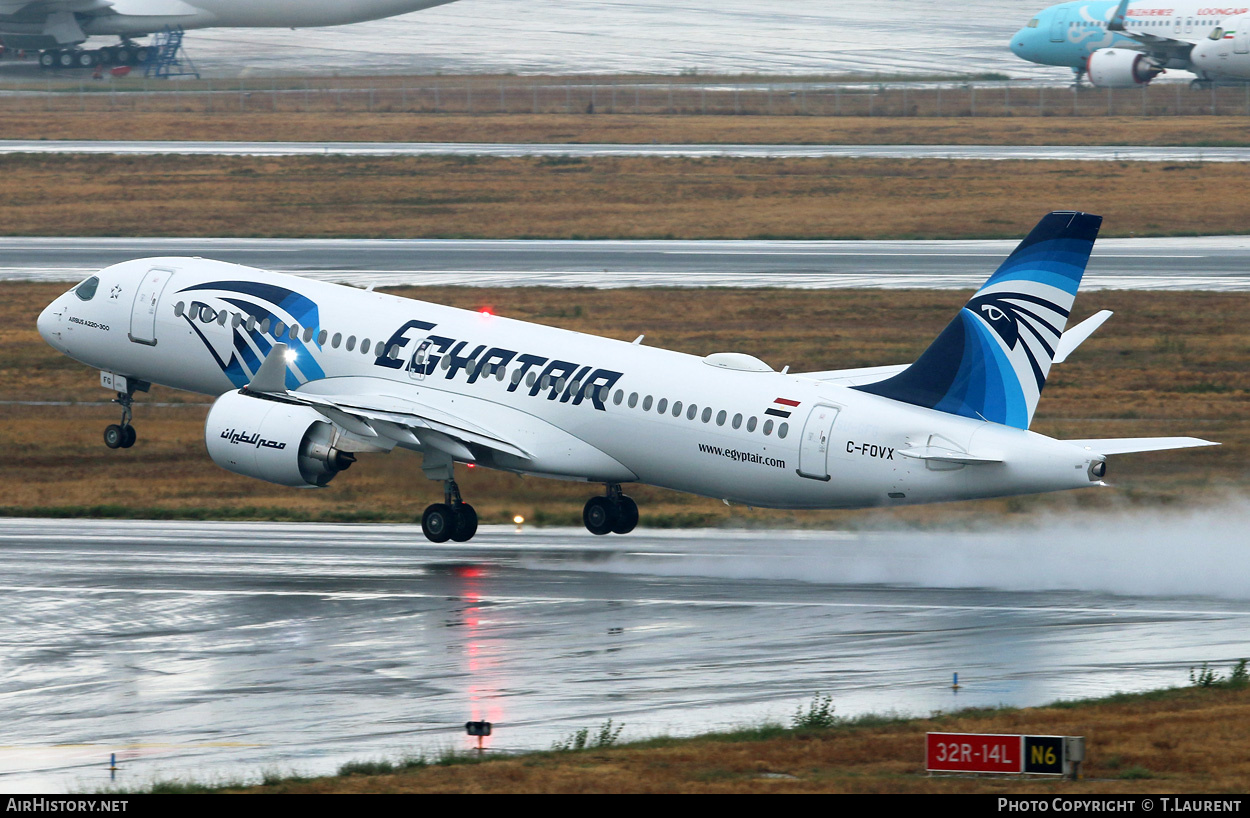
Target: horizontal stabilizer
[947,455]
[1129,445]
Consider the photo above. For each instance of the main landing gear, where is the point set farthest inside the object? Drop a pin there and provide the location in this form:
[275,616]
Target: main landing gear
[127,53]
[452,519]
[123,435]
[611,514]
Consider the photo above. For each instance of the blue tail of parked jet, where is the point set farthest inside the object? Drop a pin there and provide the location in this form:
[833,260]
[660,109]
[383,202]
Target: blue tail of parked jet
[991,362]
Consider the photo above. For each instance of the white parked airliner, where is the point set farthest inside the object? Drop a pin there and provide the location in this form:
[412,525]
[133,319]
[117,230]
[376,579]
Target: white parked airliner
[309,374]
[58,28]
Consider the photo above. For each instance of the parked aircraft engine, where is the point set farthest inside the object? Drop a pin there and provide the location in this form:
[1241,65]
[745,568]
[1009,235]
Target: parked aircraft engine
[1120,68]
[279,442]
[1227,51]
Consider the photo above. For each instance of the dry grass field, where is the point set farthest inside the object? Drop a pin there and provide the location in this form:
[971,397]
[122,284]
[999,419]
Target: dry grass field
[1166,364]
[442,197]
[364,126]
[1186,741]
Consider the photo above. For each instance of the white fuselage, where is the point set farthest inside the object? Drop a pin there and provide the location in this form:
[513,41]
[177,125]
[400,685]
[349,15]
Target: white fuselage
[146,16]
[837,448]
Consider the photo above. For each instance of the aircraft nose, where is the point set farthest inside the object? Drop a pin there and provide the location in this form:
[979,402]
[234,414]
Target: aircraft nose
[49,324]
[1019,43]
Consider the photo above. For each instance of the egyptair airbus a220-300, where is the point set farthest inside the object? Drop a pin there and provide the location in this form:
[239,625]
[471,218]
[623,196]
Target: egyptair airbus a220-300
[58,28]
[311,374]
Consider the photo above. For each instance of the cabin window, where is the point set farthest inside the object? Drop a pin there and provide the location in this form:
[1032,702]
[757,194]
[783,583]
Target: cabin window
[575,387]
[502,373]
[618,397]
[707,414]
[393,353]
[691,412]
[336,340]
[364,347]
[179,308]
[222,317]
[768,427]
[751,424]
[351,342]
[662,406]
[646,404]
[86,290]
[446,362]
[676,408]
[560,384]
[530,379]
[207,315]
[737,424]
[633,399]
[308,334]
[720,417]
[279,329]
[236,319]
[322,336]
[783,430]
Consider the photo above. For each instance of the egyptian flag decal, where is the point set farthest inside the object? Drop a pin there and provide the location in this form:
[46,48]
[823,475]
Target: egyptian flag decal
[781,408]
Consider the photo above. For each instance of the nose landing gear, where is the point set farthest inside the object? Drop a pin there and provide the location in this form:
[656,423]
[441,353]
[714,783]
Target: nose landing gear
[452,519]
[614,513]
[122,435]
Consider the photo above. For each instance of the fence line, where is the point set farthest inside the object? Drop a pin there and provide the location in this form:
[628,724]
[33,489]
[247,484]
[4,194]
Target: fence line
[516,96]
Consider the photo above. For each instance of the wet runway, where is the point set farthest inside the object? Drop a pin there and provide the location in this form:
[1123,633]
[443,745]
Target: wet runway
[581,36]
[219,650]
[1219,263]
[1085,153]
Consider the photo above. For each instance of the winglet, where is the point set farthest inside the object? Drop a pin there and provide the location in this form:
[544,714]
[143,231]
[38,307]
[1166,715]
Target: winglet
[271,377]
[1117,18]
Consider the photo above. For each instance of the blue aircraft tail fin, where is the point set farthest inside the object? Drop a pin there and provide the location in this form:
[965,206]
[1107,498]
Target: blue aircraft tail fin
[991,362]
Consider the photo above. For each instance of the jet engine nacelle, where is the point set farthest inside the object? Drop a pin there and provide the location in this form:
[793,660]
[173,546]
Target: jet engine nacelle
[282,443]
[1227,51]
[1120,68]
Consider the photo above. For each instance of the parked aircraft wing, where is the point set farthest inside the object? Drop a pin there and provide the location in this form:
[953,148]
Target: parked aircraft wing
[1162,49]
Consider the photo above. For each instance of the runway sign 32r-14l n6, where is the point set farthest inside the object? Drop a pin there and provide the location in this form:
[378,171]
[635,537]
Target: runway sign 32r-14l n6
[1005,754]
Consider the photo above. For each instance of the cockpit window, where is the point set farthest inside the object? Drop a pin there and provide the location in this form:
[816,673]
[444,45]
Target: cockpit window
[86,290]
[1033,23]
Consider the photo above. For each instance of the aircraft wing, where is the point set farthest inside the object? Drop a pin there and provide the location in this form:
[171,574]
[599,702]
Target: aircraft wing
[1163,49]
[356,406]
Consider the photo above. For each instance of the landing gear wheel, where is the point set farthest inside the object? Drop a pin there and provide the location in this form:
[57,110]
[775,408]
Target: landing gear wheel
[141,54]
[599,515]
[87,59]
[129,436]
[114,436]
[438,522]
[627,516]
[47,59]
[465,523]
[66,59]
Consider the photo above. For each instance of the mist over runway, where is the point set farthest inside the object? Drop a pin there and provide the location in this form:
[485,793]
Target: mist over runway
[1214,263]
[217,650]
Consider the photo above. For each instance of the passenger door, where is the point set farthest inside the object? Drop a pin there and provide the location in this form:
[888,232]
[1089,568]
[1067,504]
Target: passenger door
[147,300]
[814,447]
